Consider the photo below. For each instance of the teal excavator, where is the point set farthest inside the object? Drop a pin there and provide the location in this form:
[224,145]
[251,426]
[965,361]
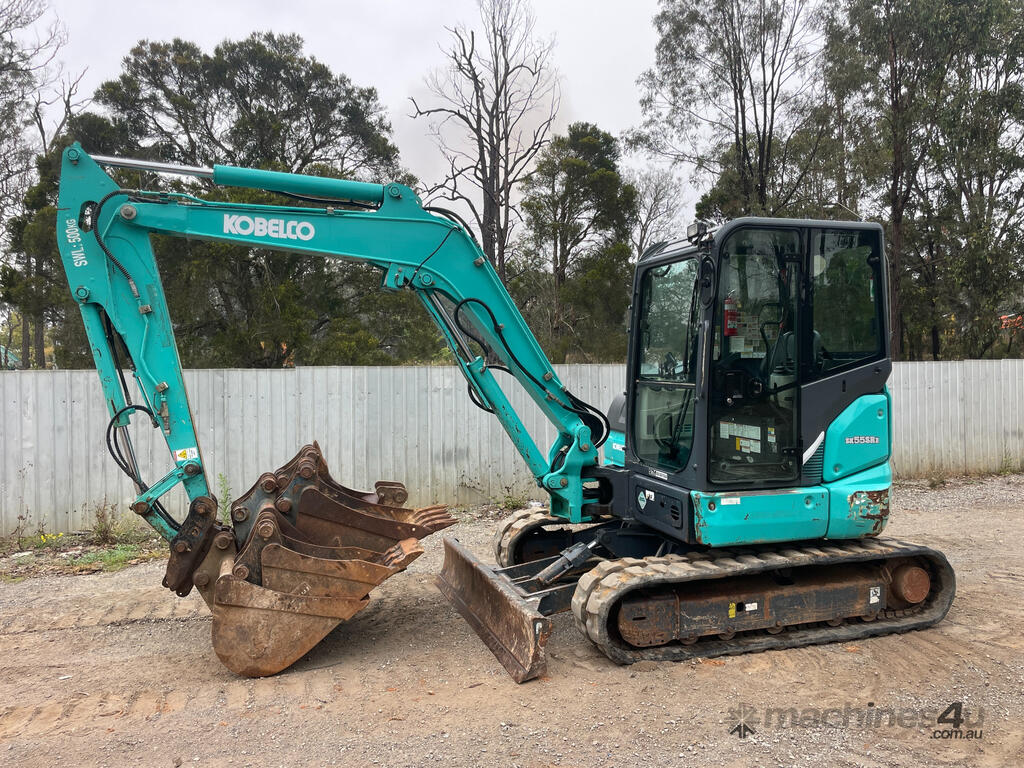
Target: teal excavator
[745,480]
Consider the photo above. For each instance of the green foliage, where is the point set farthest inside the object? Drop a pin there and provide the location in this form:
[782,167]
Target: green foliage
[908,112]
[110,528]
[726,95]
[574,273]
[943,81]
[259,102]
[115,558]
[513,501]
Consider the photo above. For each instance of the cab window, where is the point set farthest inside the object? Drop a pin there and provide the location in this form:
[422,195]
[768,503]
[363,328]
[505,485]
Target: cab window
[847,302]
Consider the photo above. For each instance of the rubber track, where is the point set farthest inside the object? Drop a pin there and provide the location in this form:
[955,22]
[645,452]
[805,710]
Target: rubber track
[519,523]
[600,590]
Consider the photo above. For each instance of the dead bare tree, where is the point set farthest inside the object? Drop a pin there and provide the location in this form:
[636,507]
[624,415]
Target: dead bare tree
[30,40]
[54,106]
[28,47]
[659,205]
[495,102]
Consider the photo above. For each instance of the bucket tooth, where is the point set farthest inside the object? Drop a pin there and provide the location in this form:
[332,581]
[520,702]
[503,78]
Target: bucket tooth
[511,627]
[326,519]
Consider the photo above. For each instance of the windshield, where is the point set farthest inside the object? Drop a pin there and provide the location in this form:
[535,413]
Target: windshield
[667,365]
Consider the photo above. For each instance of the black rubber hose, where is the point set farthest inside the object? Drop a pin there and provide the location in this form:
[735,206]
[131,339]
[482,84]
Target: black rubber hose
[594,419]
[103,246]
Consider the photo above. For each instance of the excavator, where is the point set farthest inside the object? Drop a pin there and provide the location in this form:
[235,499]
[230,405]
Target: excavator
[732,499]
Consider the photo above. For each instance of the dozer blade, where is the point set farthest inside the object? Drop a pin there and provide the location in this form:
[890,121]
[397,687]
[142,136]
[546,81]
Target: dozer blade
[512,627]
[310,552]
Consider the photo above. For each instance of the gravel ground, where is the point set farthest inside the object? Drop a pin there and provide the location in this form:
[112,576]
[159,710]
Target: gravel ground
[111,669]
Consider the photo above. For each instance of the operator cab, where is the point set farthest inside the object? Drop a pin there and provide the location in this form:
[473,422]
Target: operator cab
[745,345]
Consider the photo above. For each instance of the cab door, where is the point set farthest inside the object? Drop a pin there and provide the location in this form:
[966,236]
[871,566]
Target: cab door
[754,406]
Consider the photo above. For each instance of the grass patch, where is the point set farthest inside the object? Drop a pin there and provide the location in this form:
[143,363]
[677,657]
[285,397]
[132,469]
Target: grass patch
[113,558]
[114,542]
[111,528]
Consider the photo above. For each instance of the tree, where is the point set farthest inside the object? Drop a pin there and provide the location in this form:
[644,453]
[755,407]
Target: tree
[658,207]
[27,50]
[495,102]
[726,96]
[236,306]
[24,62]
[578,210]
[964,248]
[907,48]
[256,102]
[259,102]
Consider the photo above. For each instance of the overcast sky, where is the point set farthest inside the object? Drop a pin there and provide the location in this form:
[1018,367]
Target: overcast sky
[601,48]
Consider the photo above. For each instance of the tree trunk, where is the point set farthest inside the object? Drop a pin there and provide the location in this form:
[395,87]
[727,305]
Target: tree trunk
[896,272]
[488,227]
[40,343]
[26,345]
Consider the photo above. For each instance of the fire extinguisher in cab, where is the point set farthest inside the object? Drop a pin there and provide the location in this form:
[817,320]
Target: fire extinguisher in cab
[732,316]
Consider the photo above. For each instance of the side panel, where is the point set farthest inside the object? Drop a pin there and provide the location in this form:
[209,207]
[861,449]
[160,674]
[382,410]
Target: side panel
[858,438]
[724,519]
[859,504]
[615,449]
[661,505]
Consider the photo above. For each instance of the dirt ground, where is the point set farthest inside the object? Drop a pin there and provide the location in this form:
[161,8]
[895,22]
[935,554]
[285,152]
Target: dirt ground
[111,669]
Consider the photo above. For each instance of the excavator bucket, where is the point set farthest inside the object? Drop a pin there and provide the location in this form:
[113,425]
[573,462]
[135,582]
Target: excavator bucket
[303,556]
[507,618]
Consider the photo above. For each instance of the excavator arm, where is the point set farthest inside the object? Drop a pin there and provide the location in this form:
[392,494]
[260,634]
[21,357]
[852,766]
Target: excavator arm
[104,243]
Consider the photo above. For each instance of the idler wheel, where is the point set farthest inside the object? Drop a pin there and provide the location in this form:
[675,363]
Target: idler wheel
[911,583]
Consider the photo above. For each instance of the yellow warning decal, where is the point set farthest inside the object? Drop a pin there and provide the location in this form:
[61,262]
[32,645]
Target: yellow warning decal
[732,610]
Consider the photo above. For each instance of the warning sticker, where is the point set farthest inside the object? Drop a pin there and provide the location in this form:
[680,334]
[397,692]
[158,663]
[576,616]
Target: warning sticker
[186,453]
[729,428]
[874,594]
[746,445]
